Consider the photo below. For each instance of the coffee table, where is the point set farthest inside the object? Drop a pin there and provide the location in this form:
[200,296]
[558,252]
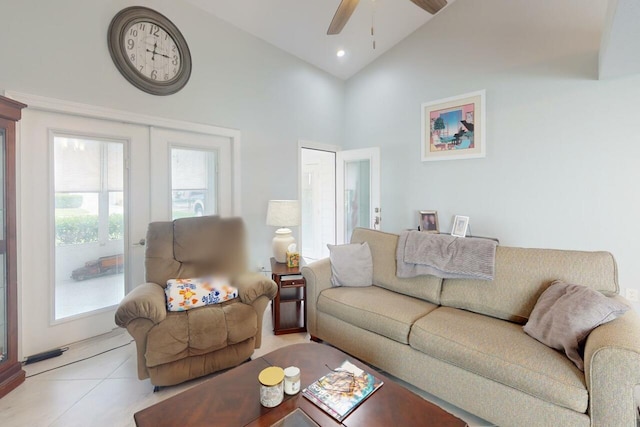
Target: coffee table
[233,397]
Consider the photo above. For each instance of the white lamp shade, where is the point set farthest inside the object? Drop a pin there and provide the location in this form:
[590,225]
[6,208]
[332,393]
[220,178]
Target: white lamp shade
[283,213]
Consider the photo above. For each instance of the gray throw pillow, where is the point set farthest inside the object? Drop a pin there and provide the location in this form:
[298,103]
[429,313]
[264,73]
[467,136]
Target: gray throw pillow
[565,314]
[351,265]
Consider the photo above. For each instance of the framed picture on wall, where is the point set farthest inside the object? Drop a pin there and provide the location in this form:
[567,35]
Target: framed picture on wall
[454,128]
[460,225]
[429,221]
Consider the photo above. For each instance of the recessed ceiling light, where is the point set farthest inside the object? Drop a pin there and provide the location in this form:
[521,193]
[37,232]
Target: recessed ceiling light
[340,53]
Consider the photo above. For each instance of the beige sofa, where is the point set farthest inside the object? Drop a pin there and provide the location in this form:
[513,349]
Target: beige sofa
[462,340]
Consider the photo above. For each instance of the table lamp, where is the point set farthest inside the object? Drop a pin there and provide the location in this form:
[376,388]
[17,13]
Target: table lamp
[283,213]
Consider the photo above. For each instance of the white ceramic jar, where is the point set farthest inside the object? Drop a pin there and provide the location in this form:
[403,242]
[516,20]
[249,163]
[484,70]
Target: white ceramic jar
[292,380]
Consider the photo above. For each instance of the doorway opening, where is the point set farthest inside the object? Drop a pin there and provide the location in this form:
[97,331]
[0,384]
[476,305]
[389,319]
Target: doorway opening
[317,202]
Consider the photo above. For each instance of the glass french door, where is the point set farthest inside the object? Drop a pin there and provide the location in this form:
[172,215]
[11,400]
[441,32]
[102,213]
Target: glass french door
[88,188]
[84,202]
[358,191]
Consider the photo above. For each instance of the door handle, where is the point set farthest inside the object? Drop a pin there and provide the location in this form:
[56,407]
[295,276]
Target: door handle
[141,242]
[377,219]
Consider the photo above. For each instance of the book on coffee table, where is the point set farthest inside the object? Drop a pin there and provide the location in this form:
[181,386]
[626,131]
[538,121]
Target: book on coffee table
[342,390]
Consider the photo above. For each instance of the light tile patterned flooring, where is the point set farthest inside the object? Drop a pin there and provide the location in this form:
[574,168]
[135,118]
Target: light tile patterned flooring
[104,390]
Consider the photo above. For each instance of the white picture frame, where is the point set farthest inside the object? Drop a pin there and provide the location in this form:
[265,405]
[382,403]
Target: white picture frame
[460,225]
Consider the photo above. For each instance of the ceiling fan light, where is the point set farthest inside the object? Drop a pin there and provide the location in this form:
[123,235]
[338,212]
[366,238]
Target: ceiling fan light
[340,53]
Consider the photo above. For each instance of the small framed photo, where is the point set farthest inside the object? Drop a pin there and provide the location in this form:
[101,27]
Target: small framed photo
[460,225]
[429,221]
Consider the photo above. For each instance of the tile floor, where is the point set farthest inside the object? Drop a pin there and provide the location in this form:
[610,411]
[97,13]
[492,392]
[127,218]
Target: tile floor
[104,390]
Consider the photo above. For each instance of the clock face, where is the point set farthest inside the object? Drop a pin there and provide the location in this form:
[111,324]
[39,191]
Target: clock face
[151,51]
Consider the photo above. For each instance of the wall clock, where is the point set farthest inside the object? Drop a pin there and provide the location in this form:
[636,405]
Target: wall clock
[149,50]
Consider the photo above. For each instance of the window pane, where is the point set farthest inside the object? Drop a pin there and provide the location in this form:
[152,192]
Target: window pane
[89,225]
[193,182]
[116,215]
[357,196]
[76,216]
[76,161]
[115,166]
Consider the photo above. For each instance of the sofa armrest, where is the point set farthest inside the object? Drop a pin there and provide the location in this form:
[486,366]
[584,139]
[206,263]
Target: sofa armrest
[318,278]
[146,301]
[612,370]
[252,286]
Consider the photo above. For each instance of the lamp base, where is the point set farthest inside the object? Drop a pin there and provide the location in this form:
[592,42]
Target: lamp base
[280,243]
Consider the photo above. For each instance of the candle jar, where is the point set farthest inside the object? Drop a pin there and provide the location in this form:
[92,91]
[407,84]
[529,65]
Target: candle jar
[271,386]
[292,380]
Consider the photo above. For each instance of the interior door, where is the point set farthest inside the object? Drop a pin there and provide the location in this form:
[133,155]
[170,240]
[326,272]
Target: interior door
[357,191]
[318,201]
[83,205]
[191,174]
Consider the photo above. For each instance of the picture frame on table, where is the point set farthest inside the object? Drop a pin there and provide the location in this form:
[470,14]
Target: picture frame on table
[429,221]
[454,128]
[460,226]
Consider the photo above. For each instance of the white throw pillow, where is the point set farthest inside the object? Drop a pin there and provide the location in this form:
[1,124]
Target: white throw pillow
[351,265]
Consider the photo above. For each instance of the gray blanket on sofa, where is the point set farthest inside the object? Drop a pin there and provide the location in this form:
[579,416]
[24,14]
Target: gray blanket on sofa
[445,256]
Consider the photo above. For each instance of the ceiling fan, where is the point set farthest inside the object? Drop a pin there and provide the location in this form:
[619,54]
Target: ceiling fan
[347,7]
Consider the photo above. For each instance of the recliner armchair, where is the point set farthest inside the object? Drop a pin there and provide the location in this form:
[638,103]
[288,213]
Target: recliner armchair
[173,347]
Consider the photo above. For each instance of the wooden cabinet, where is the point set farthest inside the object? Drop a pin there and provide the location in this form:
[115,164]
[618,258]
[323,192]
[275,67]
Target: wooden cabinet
[289,312]
[11,373]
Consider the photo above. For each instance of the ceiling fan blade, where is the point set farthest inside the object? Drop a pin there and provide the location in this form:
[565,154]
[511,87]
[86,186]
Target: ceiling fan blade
[431,6]
[342,15]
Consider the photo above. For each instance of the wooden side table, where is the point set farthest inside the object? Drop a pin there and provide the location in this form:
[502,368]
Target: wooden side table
[289,311]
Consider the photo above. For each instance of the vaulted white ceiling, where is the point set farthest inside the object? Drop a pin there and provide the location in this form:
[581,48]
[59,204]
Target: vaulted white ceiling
[300,28]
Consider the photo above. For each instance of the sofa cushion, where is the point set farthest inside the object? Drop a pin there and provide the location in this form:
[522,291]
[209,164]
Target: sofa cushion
[383,251]
[200,331]
[375,309]
[500,351]
[351,265]
[565,315]
[523,274]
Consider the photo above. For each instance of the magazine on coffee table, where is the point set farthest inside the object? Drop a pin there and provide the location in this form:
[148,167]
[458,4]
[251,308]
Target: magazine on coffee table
[342,390]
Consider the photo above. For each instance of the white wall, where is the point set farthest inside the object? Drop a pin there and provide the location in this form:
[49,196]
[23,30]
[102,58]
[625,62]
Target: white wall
[561,169]
[59,50]
[561,157]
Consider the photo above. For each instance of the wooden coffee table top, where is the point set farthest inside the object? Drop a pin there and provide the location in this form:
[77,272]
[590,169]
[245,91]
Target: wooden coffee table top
[233,397]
